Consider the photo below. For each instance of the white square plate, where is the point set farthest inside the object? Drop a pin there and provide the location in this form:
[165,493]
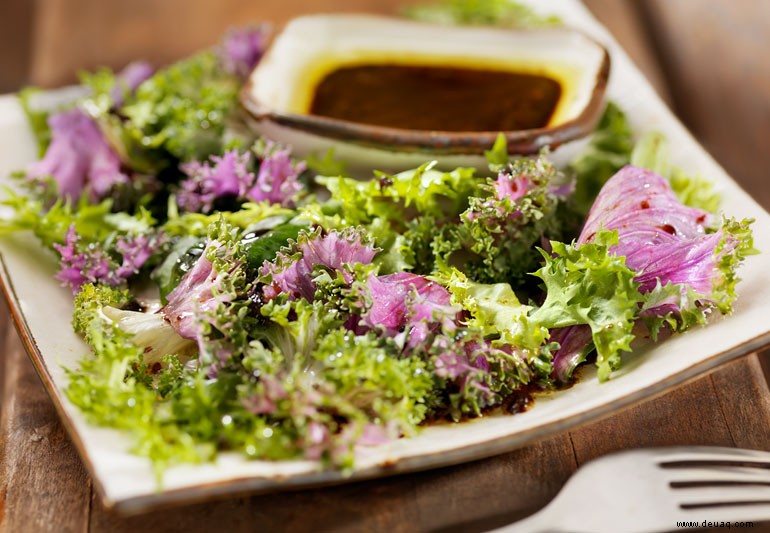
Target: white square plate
[42,310]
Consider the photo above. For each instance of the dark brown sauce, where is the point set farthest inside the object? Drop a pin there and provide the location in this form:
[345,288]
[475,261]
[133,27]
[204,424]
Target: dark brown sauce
[518,401]
[437,98]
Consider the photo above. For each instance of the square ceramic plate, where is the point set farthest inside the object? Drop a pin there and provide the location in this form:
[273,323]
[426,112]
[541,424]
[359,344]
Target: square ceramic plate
[42,309]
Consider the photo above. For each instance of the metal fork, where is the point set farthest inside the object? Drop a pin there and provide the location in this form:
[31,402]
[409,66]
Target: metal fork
[658,489]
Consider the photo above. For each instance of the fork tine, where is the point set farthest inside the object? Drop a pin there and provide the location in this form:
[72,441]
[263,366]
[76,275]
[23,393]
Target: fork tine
[719,474]
[717,493]
[709,454]
[723,496]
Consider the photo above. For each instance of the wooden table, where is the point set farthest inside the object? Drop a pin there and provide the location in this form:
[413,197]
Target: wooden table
[708,59]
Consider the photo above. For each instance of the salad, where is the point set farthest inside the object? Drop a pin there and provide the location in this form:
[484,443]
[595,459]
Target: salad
[238,298]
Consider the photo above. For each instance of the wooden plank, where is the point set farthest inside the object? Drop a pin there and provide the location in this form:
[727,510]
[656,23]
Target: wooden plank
[15,43]
[621,18]
[43,485]
[72,35]
[5,332]
[689,415]
[746,407]
[714,55]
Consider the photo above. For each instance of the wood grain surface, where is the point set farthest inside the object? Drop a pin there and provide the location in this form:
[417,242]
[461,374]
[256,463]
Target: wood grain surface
[714,54]
[159,31]
[718,85]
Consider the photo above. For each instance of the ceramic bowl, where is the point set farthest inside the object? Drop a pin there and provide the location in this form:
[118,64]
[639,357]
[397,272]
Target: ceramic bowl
[279,92]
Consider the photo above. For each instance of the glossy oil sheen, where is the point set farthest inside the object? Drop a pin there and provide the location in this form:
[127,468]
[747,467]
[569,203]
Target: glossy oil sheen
[437,98]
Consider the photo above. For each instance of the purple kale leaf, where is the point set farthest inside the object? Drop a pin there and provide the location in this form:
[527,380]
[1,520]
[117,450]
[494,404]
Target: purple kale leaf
[684,266]
[135,250]
[242,48]
[277,180]
[229,176]
[129,79]
[666,242]
[196,295]
[78,159]
[292,271]
[575,343]
[83,263]
[225,176]
[408,303]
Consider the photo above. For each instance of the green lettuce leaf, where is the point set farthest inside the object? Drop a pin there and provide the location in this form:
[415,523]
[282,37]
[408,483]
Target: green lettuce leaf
[295,326]
[497,156]
[651,152]
[482,12]
[402,212]
[608,151]
[262,215]
[398,197]
[736,244]
[495,311]
[38,119]
[178,114]
[588,285]
[95,223]
[113,387]
[326,165]
[688,311]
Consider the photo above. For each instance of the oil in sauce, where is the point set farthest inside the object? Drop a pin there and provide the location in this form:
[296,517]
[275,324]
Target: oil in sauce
[440,98]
